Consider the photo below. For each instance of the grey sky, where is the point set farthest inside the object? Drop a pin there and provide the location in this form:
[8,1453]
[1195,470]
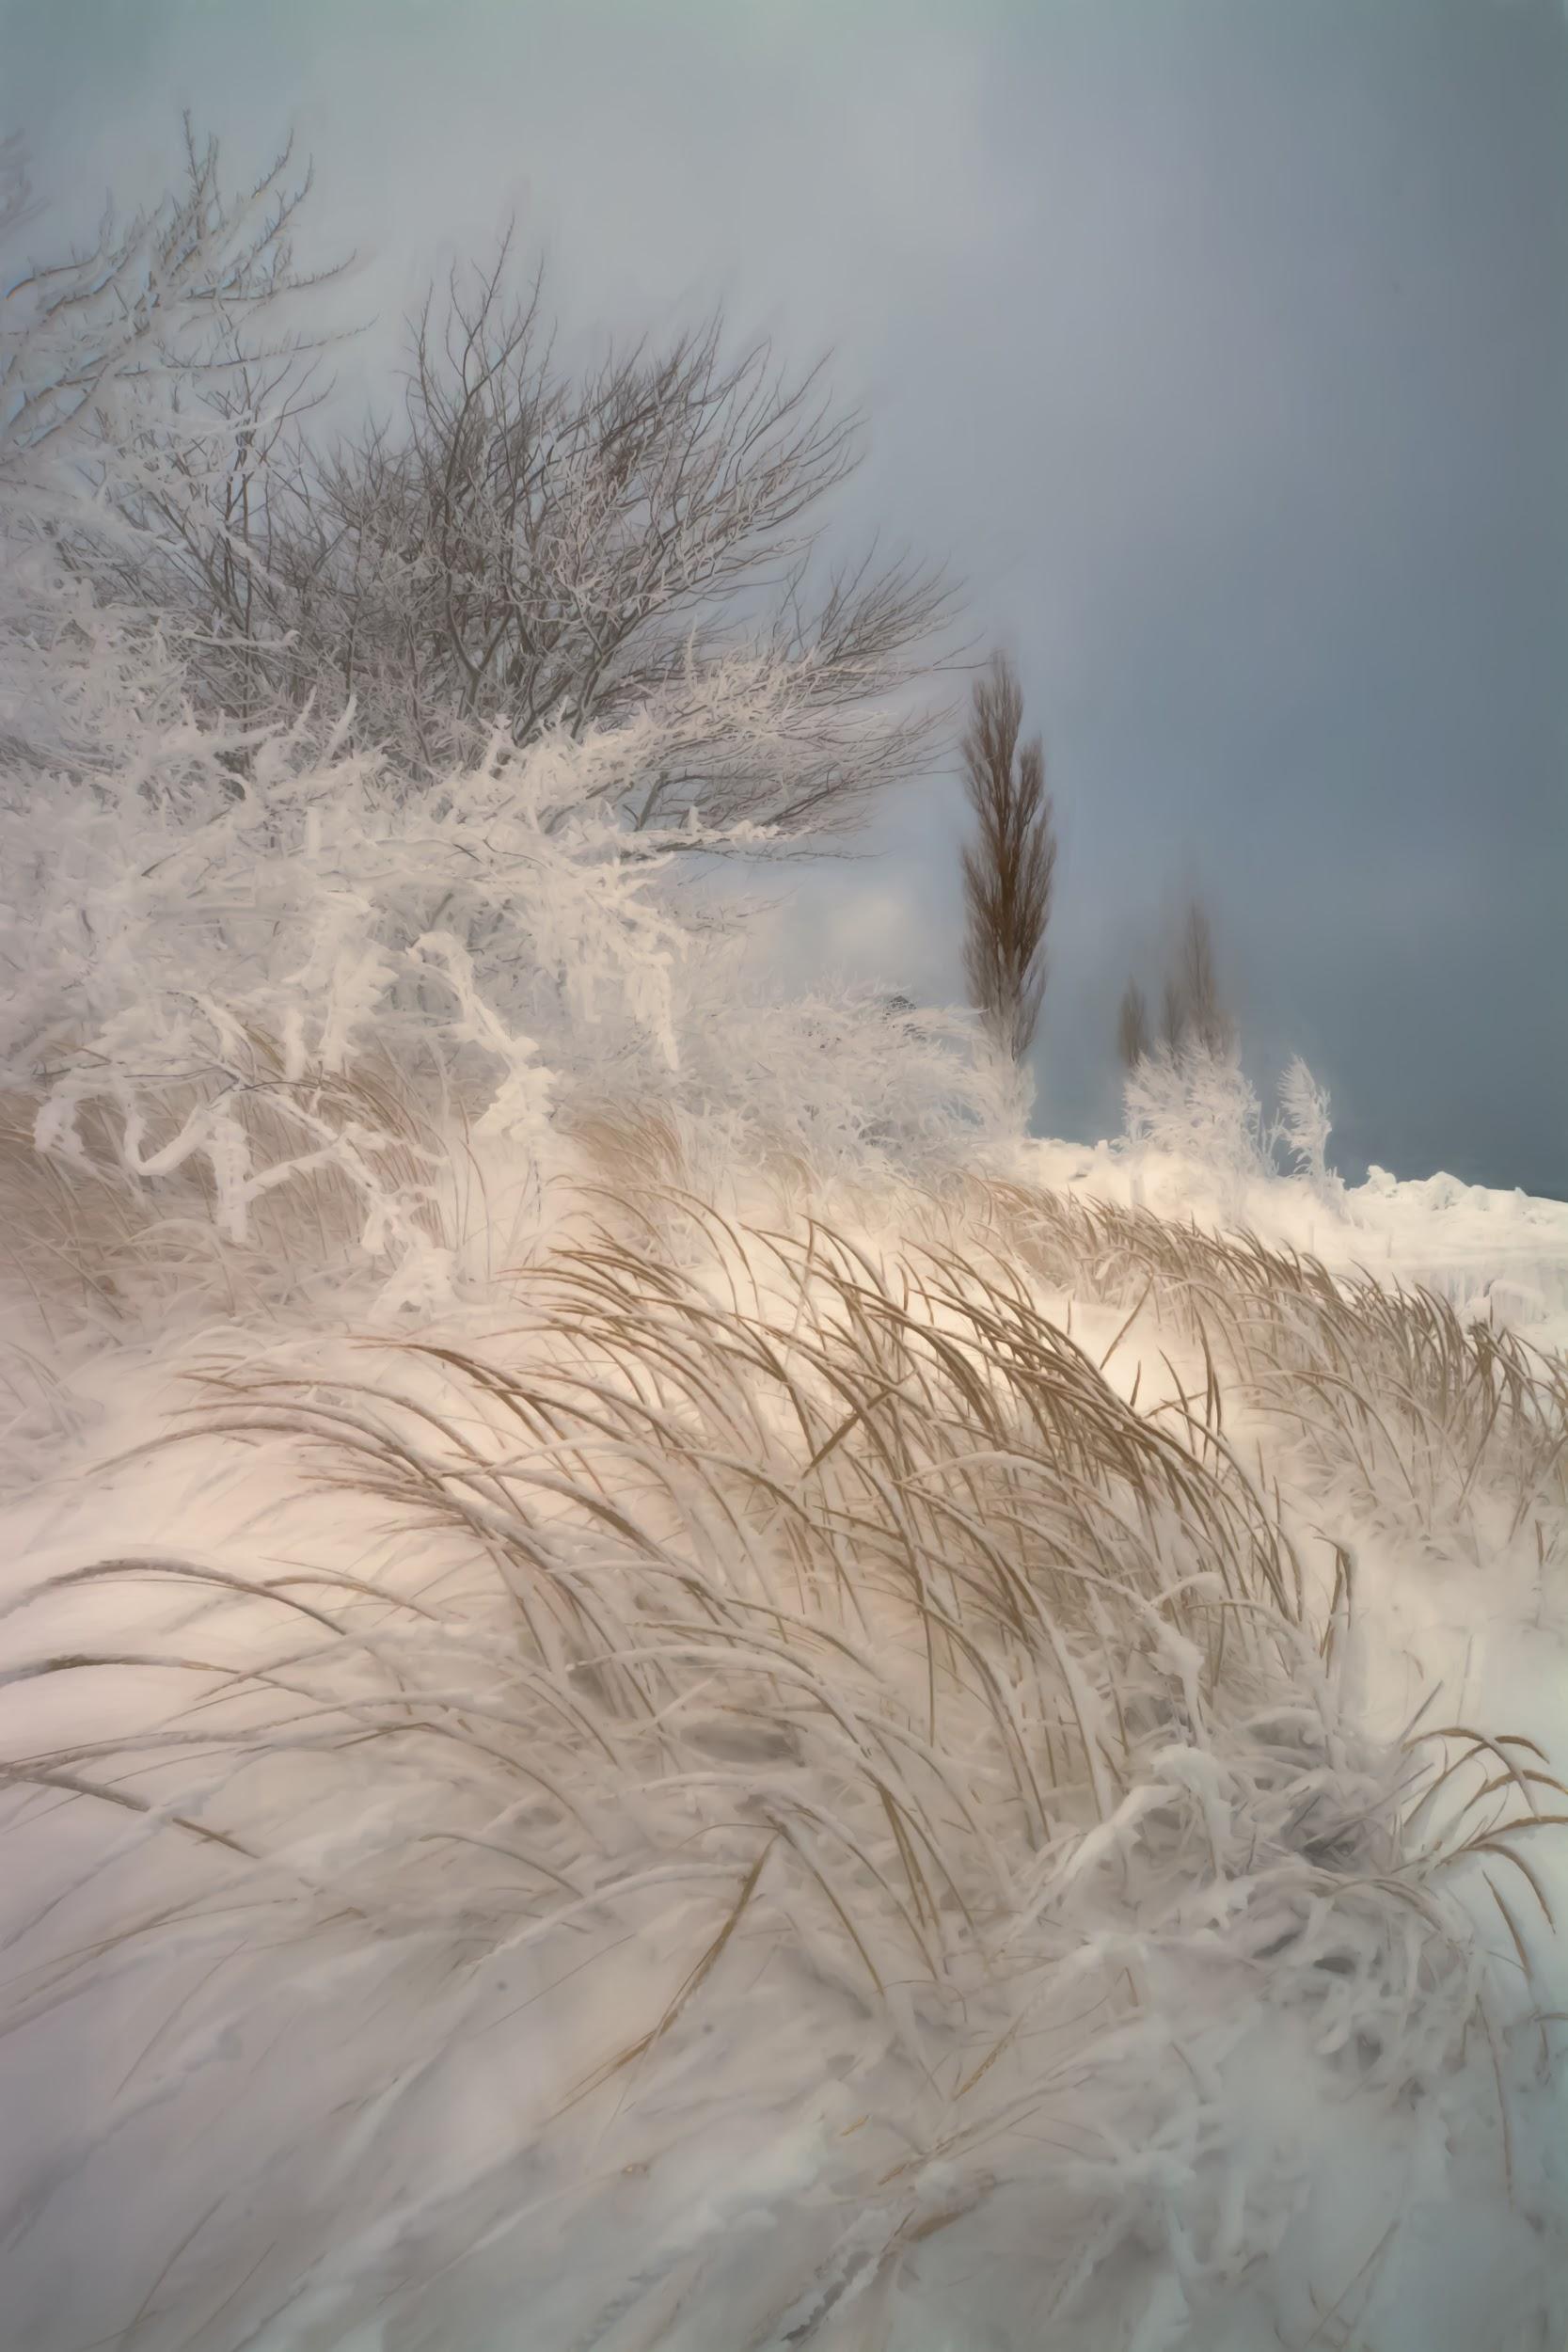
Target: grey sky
[1221,344]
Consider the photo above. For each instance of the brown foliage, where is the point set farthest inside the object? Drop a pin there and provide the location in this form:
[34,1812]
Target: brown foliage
[1133,1039]
[1194,1014]
[1009,868]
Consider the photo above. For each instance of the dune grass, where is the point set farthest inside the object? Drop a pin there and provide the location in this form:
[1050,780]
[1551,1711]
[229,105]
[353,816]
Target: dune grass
[1420,1410]
[825,1629]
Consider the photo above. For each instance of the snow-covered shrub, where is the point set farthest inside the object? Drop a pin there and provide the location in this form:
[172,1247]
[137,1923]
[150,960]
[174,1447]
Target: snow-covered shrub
[1303,1130]
[835,1082]
[204,968]
[186,961]
[1197,1107]
[252,961]
[1200,1106]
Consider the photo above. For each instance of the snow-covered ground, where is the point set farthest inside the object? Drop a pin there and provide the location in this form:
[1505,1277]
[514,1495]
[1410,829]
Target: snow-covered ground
[659,1693]
[443,2000]
[1487,1250]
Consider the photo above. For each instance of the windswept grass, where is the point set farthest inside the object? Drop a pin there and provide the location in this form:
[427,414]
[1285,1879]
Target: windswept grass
[897,1745]
[1395,1398]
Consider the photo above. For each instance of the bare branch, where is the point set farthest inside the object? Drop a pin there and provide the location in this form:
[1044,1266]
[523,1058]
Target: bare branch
[542,552]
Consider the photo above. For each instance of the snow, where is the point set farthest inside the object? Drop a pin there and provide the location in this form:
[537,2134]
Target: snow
[1487,1250]
[658,1689]
[353,2135]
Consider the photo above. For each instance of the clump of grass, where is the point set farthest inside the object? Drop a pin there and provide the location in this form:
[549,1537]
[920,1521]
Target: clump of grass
[1414,1411]
[792,1619]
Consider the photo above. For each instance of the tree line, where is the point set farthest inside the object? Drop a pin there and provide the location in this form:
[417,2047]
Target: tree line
[1009,868]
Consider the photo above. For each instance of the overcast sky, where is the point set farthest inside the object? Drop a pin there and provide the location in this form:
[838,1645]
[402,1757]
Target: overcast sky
[1220,345]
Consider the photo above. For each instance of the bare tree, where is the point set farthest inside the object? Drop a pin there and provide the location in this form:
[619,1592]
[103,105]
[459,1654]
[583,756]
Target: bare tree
[1194,1015]
[1133,1035]
[156,307]
[135,378]
[1175,1024]
[1009,868]
[530,551]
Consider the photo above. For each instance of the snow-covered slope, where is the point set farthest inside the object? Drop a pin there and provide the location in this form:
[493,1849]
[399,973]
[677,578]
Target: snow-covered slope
[752,1789]
[1486,1250]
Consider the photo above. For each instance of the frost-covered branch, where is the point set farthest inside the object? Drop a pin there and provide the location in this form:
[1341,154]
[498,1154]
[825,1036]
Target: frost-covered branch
[240,874]
[538,550]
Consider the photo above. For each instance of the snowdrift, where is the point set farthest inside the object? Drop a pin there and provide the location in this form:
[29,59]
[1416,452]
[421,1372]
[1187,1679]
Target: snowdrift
[877,1768]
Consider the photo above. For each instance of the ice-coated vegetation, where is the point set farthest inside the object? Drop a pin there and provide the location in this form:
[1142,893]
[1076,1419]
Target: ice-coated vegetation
[661,1689]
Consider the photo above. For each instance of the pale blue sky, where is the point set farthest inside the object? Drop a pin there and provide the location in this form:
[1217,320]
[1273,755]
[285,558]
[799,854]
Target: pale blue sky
[1221,344]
